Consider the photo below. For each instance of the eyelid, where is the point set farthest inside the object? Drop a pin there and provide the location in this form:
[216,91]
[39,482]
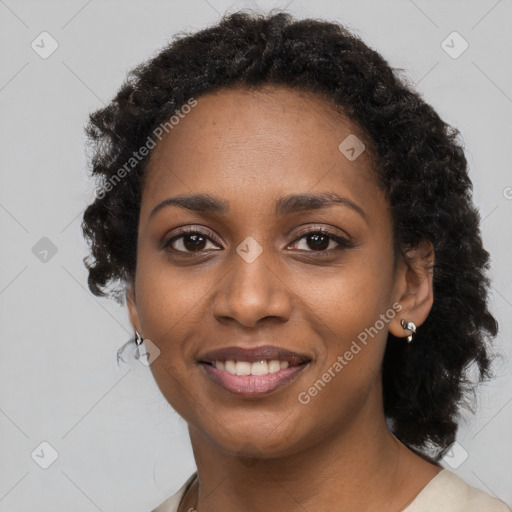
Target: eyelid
[190,230]
[342,241]
[328,231]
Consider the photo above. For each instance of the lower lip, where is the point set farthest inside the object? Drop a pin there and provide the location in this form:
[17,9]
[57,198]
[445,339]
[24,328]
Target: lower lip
[252,385]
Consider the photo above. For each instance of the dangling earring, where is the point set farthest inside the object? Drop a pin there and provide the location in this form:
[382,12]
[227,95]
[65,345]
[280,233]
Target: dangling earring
[409,326]
[138,339]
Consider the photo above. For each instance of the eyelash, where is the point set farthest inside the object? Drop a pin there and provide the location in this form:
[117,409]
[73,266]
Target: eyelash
[342,242]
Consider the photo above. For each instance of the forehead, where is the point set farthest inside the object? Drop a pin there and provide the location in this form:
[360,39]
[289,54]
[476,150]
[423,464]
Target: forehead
[249,145]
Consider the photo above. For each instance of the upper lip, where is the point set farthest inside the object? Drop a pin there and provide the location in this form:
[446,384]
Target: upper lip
[254,354]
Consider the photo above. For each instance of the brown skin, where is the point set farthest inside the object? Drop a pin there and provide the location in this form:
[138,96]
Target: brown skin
[336,453]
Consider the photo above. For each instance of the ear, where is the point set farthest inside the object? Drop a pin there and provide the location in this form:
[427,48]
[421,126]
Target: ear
[414,287]
[131,303]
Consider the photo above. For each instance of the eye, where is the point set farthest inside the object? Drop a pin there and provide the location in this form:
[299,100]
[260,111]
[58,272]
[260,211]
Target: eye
[190,240]
[322,240]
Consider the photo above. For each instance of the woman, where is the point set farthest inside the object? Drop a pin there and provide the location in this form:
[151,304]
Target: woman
[293,230]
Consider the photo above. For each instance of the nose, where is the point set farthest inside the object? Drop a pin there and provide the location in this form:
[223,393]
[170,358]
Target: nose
[251,292]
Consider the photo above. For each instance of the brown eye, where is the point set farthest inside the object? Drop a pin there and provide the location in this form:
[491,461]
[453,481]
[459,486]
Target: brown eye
[190,241]
[321,240]
[318,242]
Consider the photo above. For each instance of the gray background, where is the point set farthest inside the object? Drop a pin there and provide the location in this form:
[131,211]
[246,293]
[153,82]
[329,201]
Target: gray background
[119,445]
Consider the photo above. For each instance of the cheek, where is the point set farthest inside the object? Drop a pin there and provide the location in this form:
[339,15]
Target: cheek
[169,298]
[350,308]
[350,297]
[349,366]
[171,310]
[170,313]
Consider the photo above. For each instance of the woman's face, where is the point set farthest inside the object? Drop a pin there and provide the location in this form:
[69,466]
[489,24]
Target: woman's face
[250,276]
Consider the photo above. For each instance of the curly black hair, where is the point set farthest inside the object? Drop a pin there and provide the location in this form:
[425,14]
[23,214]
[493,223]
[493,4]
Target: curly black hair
[420,165]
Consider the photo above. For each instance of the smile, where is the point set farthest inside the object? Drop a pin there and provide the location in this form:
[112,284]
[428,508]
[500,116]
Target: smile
[248,379]
[252,371]
[247,368]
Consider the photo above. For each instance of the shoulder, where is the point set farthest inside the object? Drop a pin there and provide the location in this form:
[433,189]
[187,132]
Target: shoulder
[447,492]
[171,504]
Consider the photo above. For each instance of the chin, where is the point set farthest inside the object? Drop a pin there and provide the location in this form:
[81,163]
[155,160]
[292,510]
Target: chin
[252,440]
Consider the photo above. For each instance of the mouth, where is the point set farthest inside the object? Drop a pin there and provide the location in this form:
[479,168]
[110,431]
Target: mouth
[253,372]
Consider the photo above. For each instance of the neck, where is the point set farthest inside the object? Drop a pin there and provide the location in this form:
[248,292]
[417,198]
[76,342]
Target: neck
[355,469]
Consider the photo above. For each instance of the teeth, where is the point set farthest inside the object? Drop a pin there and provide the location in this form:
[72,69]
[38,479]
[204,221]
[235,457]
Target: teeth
[229,366]
[274,366]
[246,368]
[243,368]
[259,368]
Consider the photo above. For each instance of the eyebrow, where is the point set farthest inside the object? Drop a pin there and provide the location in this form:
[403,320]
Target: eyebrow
[286,205]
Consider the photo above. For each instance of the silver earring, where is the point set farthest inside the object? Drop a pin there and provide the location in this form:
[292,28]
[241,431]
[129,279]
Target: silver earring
[409,326]
[138,339]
